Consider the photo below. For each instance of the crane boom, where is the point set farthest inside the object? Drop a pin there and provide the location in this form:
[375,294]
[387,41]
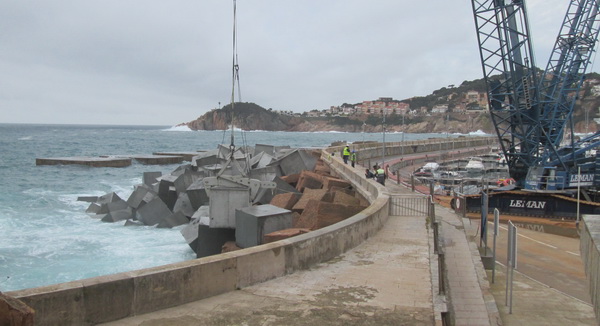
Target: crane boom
[509,72]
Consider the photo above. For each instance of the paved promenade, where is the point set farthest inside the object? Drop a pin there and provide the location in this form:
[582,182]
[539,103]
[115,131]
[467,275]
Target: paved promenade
[387,280]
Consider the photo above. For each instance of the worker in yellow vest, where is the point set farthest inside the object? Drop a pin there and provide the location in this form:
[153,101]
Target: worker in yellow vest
[346,154]
[380,175]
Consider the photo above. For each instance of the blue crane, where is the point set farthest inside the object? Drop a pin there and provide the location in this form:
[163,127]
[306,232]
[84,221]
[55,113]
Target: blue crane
[531,109]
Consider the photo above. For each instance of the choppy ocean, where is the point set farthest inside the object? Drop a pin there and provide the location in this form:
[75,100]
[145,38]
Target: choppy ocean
[45,235]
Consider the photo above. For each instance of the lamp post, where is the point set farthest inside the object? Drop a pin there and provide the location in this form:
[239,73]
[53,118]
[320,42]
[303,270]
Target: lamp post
[383,157]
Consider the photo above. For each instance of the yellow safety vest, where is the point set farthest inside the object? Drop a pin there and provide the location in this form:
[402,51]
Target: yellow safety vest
[346,151]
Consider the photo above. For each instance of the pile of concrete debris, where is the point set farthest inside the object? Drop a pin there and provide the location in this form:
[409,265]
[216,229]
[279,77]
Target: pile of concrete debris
[236,198]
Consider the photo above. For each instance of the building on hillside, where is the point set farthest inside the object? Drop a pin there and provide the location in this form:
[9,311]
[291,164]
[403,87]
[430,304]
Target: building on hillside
[440,108]
[383,105]
[478,98]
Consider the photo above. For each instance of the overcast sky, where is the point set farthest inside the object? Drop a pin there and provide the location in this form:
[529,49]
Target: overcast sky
[156,62]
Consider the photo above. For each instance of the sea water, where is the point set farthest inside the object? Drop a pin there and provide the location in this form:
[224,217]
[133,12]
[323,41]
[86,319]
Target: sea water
[45,235]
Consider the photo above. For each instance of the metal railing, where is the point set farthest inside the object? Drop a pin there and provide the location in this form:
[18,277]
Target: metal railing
[409,205]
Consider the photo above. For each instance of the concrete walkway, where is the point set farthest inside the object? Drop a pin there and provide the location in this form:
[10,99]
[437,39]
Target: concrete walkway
[387,280]
[384,281]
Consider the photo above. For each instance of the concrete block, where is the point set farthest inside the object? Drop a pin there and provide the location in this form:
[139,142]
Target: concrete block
[118,215]
[141,195]
[166,183]
[185,180]
[322,168]
[309,180]
[286,200]
[150,178]
[176,219]
[197,194]
[190,233]
[308,195]
[211,240]
[268,173]
[181,169]
[131,222]
[89,199]
[330,182]
[296,161]
[283,234]
[108,198]
[184,205]
[265,195]
[207,158]
[223,203]
[153,212]
[93,209]
[321,214]
[342,198]
[291,179]
[263,148]
[252,223]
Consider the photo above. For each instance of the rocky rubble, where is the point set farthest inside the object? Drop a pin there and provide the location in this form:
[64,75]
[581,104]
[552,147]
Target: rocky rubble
[230,199]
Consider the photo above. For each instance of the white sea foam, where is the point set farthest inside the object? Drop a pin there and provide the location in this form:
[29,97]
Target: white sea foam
[178,128]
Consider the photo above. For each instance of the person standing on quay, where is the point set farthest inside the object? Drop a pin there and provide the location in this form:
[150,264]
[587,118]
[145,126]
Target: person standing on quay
[353,158]
[380,175]
[346,154]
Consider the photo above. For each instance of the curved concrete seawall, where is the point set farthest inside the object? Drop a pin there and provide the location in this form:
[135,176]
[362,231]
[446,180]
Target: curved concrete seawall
[112,297]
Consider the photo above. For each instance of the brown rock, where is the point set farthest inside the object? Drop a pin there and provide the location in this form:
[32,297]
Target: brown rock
[14,312]
[283,234]
[322,168]
[310,180]
[321,214]
[342,198]
[291,179]
[308,218]
[331,182]
[286,201]
[229,246]
[309,194]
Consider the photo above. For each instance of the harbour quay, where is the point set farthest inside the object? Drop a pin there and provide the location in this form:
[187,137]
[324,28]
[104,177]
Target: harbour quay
[119,161]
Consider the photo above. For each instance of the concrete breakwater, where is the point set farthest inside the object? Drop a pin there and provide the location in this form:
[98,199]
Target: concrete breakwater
[116,296]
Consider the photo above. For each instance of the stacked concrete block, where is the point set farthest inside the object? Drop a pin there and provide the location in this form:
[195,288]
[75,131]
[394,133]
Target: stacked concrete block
[307,196]
[141,195]
[252,223]
[297,161]
[286,200]
[309,180]
[150,178]
[206,158]
[319,214]
[211,240]
[190,233]
[184,205]
[340,197]
[330,182]
[262,148]
[197,194]
[223,203]
[173,220]
[153,212]
[229,247]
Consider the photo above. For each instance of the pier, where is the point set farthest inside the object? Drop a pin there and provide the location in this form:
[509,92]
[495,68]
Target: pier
[403,260]
[119,161]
